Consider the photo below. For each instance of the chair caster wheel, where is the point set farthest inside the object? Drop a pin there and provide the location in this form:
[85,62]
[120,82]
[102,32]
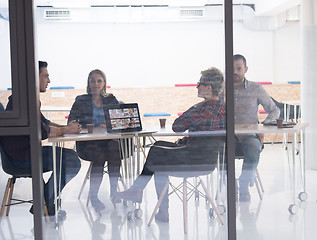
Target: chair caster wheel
[196,196]
[212,213]
[293,208]
[221,209]
[138,213]
[130,216]
[302,196]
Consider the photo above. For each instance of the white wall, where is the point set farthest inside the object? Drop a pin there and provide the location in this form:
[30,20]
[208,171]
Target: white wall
[132,55]
[257,47]
[287,54]
[147,54]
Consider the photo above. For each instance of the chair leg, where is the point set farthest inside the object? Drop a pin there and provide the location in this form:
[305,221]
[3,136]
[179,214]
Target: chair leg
[274,138]
[185,210]
[258,188]
[143,151]
[87,202]
[85,180]
[5,197]
[258,184]
[159,202]
[259,179]
[122,183]
[211,202]
[46,212]
[10,196]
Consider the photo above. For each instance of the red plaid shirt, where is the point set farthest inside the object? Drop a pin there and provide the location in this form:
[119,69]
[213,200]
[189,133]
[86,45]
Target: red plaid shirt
[204,116]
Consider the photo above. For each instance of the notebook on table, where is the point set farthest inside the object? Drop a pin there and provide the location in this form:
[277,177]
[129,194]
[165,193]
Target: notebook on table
[123,118]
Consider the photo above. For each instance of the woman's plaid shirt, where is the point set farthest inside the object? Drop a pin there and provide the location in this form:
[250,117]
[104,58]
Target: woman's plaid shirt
[205,116]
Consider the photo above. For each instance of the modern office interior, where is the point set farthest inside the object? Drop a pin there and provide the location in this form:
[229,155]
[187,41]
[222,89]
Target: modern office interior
[152,53]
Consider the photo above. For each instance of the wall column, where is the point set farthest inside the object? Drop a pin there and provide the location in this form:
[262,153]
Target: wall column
[309,78]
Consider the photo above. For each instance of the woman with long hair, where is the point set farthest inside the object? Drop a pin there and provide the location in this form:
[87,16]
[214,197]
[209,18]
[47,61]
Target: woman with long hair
[88,109]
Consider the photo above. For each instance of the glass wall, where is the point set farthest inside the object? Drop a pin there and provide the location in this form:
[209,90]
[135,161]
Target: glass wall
[13,123]
[153,56]
[5,53]
[270,177]
[156,56]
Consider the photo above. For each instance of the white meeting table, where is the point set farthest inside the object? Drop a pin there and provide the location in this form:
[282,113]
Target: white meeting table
[165,132]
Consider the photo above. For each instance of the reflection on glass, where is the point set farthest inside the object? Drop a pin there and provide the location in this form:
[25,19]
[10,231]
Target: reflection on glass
[159,46]
[5,62]
[260,91]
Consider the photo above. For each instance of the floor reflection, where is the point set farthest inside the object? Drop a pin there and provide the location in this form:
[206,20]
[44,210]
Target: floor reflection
[266,219]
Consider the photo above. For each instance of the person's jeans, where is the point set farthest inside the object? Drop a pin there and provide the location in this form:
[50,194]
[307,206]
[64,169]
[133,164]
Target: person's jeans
[251,148]
[70,167]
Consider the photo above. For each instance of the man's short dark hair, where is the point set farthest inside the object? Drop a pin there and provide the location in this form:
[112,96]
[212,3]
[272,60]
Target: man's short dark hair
[42,64]
[238,57]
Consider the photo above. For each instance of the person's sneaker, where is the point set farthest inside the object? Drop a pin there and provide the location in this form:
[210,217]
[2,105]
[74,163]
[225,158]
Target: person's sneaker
[51,212]
[114,200]
[162,215]
[133,194]
[97,205]
[244,196]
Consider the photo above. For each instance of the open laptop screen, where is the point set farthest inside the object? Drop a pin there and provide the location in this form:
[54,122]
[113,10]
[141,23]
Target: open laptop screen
[122,118]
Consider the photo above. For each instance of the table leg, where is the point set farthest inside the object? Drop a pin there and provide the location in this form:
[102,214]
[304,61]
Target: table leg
[294,167]
[285,141]
[285,119]
[303,195]
[138,152]
[128,159]
[55,180]
[303,156]
[293,207]
[124,156]
[58,203]
[138,160]
[132,144]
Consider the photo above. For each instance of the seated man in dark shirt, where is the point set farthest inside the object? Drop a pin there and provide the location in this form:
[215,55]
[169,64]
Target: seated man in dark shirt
[18,148]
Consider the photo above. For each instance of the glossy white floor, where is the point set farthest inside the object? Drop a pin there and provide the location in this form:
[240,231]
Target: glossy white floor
[266,219]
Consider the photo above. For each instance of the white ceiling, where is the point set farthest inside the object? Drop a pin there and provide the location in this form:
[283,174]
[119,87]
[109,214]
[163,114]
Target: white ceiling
[262,7]
[138,2]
